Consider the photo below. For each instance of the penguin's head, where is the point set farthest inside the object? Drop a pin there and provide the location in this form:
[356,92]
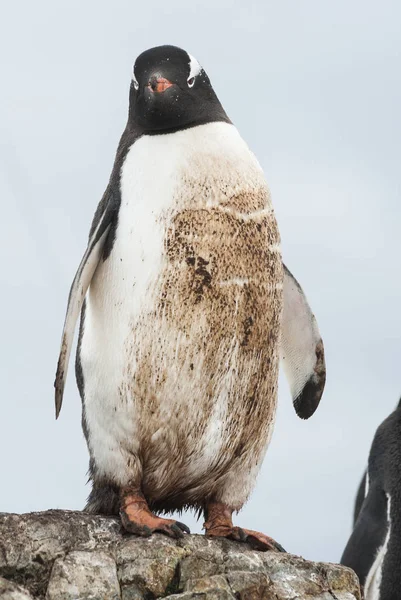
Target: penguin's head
[170,91]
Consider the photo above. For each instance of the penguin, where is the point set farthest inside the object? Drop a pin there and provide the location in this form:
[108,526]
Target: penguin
[360,497]
[373,550]
[186,309]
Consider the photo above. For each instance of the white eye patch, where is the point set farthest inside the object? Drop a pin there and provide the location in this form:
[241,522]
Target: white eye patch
[194,70]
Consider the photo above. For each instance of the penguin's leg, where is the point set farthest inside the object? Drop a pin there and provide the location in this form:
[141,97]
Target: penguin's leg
[219,524]
[137,518]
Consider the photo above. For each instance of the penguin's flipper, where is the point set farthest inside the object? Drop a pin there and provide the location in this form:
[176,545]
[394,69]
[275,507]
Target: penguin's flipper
[76,298]
[302,351]
[360,496]
[369,535]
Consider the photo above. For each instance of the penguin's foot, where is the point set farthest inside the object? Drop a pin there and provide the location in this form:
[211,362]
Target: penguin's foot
[137,518]
[219,524]
[257,540]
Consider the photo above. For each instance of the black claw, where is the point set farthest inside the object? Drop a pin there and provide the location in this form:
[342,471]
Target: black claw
[242,535]
[183,527]
[259,545]
[177,531]
[279,547]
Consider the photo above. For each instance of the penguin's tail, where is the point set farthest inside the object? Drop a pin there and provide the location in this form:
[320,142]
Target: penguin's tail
[103,499]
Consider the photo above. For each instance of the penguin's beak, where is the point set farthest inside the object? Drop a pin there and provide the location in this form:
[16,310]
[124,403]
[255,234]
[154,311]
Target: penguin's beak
[158,84]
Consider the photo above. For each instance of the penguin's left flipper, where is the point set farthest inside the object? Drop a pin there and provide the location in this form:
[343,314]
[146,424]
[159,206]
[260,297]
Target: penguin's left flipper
[302,351]
[76,298]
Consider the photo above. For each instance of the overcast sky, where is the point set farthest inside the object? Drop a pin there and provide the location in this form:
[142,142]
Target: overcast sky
[314,88]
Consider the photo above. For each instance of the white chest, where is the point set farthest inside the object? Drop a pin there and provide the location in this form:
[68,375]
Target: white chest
[148,184]
[161,176]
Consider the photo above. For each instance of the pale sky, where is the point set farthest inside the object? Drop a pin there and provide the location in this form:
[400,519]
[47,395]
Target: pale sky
[314,88]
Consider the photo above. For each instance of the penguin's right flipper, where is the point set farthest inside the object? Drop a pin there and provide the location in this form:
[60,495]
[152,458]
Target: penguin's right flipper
[368,536]
[302,351]
[77,295]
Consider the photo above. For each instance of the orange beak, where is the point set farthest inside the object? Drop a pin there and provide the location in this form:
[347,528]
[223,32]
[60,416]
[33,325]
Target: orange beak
[159,84]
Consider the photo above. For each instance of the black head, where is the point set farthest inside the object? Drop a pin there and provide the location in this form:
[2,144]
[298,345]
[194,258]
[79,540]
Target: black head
[170,91]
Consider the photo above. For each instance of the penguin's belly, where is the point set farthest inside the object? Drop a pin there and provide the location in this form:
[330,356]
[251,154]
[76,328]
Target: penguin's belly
[179,345]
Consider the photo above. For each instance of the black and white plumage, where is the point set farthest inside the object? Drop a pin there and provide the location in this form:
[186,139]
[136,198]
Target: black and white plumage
[183,298]
[374,548]
[302,352]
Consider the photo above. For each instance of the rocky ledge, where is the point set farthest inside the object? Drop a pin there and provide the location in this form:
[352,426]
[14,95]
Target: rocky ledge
[63,555]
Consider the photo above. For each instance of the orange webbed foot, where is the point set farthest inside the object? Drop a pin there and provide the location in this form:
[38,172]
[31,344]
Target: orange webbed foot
[219,524]
[137,518]
[257,540]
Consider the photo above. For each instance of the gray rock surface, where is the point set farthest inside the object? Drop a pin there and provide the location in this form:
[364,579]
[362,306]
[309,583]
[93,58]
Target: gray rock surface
[65,555]
[12,591]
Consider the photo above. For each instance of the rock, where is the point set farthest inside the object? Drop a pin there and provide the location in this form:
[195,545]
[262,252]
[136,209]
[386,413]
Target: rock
[65,555]
[84,575]
[148,564]
[11,591]
[29,544]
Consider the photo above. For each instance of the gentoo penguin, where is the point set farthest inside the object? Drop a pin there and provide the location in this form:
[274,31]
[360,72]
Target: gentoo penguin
[374,548]
[360,497]
[184,297]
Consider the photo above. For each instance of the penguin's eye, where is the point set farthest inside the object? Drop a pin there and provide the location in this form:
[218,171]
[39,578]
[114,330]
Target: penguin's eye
[191,81]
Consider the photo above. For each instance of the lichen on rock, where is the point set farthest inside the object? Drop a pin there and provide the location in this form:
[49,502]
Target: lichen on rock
[65,555]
